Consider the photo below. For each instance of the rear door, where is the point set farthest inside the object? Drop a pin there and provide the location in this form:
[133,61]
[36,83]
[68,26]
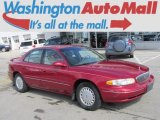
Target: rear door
[32,70]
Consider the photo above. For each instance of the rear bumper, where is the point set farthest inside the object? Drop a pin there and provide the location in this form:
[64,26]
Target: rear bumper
[128,51]
[119,53]
[128,95]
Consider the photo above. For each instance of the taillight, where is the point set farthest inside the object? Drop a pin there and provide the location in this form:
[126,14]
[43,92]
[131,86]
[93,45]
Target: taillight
[130,42]
[33,46]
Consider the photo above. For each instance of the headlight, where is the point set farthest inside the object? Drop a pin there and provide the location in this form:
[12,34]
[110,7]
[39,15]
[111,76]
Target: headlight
[121,82]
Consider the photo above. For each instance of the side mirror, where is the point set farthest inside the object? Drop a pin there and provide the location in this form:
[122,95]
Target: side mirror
[60,64]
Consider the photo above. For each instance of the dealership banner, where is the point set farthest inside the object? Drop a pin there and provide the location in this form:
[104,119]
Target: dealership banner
[79,15]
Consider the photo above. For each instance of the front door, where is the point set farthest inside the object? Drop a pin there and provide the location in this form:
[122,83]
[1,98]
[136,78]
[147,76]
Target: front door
[55,78]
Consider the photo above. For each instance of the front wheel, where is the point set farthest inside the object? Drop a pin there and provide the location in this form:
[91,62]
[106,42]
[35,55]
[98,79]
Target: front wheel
[20,84]
[3,49]
[88,96]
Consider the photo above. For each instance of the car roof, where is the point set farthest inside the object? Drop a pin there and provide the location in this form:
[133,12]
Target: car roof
[27,41]
[58,47]
[118,36]
[52,38]
[37,38]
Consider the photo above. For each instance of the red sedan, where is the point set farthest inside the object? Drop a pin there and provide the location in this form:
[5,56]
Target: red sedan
[82,73]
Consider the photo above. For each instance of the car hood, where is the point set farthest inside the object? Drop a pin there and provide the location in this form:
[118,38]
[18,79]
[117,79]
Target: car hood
[114,68]
[7,45]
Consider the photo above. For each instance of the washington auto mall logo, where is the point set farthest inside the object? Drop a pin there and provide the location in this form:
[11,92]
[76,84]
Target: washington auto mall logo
[39,7]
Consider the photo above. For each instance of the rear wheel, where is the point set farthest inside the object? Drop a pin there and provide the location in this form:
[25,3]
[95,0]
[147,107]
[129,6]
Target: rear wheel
[20,84]
[3,49]
[88,96]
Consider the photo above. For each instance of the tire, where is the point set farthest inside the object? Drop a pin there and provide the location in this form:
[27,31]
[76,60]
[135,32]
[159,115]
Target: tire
[131,56]
[3,49]
[85,90]
[20,84]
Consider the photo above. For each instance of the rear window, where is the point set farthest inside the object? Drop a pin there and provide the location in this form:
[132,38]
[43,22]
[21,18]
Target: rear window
[113,39]
[41,41]
[26,44]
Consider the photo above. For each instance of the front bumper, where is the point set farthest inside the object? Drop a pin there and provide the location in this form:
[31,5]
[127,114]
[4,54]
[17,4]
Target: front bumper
[127,95]
[8,48]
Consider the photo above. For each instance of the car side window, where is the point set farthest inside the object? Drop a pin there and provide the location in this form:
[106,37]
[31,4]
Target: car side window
[41,41]
[34,56]
[113,39]
[50,57]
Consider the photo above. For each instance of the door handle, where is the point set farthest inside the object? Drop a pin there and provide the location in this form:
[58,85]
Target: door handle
[44,71]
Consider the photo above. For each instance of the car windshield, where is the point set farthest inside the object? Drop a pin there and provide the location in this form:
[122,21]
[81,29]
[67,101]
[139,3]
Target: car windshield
[29,43]
[41,41]
[115,38]
[81,56]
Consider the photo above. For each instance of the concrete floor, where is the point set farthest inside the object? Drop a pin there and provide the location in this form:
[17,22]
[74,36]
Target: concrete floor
[41,105]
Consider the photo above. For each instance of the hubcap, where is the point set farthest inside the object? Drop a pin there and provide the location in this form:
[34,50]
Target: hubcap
[19,83]
[3,50]
[87,96]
